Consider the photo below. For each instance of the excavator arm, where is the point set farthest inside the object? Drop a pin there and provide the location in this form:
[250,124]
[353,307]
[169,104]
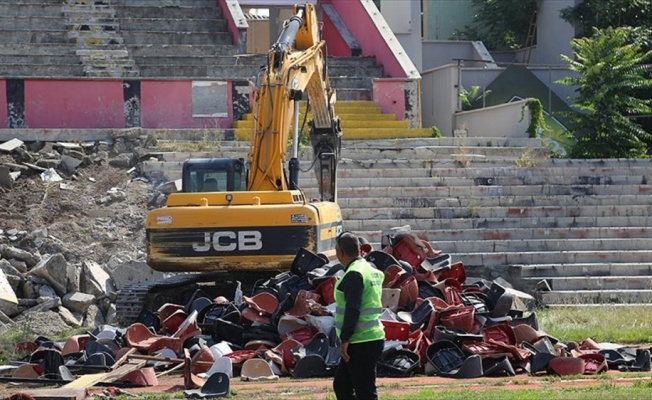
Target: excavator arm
[296,66]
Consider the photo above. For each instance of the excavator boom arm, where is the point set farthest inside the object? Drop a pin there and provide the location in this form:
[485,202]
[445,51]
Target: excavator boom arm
[296,65]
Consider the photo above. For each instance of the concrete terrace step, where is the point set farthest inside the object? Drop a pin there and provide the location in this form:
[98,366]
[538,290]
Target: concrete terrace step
[199,71]
[30,59]
[512,202]
[172,24]
[599,283]
[437,235]
[42,49]
[32,22]
[552,257]
[41,9]
[42,70]
[537,271]
[165,3]
[27,36]
[177,37]
[396,219]
[500,212]
[597,296]
[201,11]
[179,50]
[523,190]
[346,123]
[539,245]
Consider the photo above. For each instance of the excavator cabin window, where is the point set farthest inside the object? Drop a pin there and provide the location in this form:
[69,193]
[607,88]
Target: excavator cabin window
[213,175]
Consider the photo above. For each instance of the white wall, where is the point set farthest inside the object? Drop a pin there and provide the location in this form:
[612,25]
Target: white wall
[553,33]
[441,52]
[439,98]
[404,18]
[501,121]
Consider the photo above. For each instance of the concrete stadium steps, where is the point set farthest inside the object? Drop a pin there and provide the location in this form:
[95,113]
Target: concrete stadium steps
[614,296]
[593,283]
[94,26]
[202,24]
[28,22]
[585,226]
[176,37]
[395,218]
[142,38]
[52,36]
[471,234]
[43,8]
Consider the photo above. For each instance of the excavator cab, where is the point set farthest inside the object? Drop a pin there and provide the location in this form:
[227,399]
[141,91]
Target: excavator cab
[214,175]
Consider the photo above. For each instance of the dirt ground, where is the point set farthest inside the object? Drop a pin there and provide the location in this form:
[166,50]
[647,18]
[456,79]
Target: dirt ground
[85,229]
[304,389]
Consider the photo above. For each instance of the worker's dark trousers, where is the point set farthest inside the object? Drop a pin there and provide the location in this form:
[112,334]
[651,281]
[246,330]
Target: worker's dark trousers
[357,378]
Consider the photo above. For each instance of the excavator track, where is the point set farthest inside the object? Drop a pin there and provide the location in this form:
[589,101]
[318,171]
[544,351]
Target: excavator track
[132,299]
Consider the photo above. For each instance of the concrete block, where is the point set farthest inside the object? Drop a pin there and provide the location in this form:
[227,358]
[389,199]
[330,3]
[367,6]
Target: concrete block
[10,145]
[54,269]
[133,272]
[7,178]
[78,302]
[95,280]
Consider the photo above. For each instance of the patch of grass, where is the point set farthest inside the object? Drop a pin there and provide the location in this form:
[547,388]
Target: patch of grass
[8,342]
[626,324]
[598,392]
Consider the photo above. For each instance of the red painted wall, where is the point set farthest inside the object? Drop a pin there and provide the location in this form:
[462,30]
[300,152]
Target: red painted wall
[168,104]
[389,95]
[361,26]
[335,44]
[3,104]
[74,104]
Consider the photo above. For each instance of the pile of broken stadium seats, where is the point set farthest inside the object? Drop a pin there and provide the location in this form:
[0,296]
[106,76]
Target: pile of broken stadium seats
[436,321]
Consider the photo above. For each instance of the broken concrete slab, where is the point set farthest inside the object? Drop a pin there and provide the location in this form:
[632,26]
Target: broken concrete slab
[78,301]
[47,292]
[95,280]
[9,269]
[55,270]
[10,252]
[69,317]
[129,272]
[6,178]
[11,145]
[6,292]
[94,317]
[170,187]
[70,164]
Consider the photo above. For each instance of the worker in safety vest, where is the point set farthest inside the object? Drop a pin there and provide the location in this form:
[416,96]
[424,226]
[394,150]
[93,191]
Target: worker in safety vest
[357,322]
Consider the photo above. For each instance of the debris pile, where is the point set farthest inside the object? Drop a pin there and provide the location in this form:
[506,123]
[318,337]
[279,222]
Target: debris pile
[437,321]
[71,214]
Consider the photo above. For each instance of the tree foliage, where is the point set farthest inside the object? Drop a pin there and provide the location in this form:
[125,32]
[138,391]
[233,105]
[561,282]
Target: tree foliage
[499,24]
[609,13]
[612,74]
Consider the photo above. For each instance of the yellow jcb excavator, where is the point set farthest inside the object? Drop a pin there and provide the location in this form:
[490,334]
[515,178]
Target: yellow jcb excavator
[246,218]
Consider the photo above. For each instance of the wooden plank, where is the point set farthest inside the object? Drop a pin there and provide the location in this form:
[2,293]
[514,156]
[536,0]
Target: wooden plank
[86,381]
[124,358]
[167,359]
[124,370]
[58,394]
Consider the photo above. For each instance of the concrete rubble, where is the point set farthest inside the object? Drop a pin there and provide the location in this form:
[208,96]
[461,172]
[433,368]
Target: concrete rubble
[54,274]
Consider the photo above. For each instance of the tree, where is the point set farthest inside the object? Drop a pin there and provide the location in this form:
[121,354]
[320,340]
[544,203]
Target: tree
[499,24]
[609,13]
[611,76]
